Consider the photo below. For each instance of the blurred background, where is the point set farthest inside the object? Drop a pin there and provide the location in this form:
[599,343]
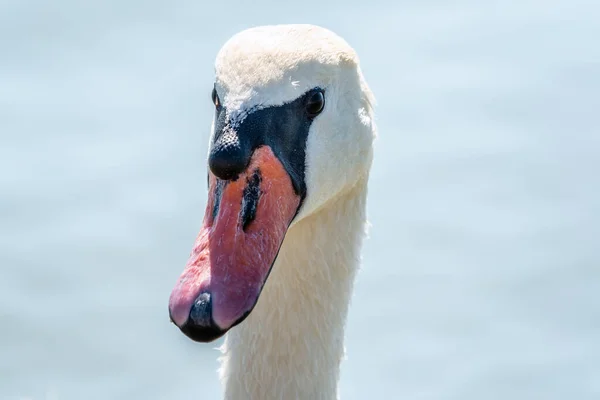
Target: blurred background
[481,277]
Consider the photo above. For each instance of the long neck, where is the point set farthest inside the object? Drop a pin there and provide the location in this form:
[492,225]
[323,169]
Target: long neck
[291,345]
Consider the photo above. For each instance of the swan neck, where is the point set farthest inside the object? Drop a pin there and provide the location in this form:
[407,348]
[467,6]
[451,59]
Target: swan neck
[291,345]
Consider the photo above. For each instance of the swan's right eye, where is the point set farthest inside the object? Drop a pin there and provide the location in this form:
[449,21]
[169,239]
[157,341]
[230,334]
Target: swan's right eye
[215,98]
[315,103]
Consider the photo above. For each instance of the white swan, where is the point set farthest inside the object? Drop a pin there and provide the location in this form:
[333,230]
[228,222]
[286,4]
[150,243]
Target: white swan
[290,155]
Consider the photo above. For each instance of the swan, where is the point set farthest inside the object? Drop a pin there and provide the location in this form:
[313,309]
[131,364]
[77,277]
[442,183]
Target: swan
[273,266]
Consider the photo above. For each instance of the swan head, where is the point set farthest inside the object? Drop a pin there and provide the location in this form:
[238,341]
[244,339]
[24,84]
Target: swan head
[292,131]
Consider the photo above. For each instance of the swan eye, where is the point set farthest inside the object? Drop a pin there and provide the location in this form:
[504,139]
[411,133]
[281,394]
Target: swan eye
[315,104]
[215,98]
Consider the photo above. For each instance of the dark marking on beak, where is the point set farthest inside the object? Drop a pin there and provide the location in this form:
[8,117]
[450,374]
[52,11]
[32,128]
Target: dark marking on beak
[250,198]
[218,192]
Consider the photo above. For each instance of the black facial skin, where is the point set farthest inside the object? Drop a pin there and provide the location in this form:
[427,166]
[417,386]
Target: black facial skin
[283,128]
